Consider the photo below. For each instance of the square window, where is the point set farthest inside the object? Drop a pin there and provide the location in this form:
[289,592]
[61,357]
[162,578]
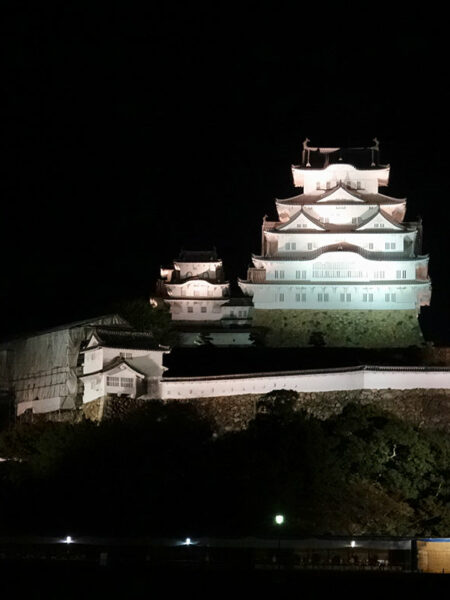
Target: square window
[310,246]
[293,245]
[281,274]
[348,297]
[190,309]
[203,309]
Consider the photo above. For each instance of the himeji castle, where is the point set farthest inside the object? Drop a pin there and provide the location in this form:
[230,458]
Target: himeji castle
[201,304]
[340,266]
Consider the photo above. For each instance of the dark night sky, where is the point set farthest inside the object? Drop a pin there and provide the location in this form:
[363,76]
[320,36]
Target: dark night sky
[129,135]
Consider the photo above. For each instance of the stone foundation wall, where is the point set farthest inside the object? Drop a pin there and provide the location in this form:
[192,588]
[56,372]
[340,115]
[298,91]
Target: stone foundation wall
[339,328]
[424,408]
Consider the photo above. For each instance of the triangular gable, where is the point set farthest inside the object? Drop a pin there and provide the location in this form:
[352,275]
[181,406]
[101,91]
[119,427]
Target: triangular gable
[340,193]
[93,341]
[380,220]
[123,367]
[301,220]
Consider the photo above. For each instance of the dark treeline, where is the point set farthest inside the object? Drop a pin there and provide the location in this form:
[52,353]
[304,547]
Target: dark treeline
[161,470]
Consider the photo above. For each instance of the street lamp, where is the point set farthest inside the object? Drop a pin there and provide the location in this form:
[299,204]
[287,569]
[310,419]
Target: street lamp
[279,520]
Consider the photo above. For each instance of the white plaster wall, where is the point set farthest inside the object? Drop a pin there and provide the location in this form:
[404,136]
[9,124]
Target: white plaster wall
[332,380]
[333,174]
[179,310]
[323,238]
[195,269]
[336,266]
[93,361]
[46,405]
[306,297]
[197,287]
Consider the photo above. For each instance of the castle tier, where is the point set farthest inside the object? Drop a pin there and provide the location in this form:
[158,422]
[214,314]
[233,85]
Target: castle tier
[200,302]
[340,246]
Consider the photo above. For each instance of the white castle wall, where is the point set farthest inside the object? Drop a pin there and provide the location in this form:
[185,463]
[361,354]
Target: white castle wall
[357,378]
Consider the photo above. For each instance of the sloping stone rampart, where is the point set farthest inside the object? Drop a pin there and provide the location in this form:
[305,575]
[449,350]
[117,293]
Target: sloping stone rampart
[423,408]
[339,328]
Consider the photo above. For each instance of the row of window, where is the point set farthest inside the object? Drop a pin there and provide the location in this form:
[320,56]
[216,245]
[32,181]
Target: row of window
[310,245]
[339,274]
[343,297]
[122,382]
[328,185]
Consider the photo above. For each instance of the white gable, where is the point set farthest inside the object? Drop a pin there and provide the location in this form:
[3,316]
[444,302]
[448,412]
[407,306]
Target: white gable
[379,221]
[94,341]
[339,195]
[124,371]
[300,221]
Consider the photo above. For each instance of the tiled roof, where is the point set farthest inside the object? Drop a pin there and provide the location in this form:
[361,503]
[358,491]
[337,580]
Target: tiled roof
[369,198]
[114,337]
[198,256]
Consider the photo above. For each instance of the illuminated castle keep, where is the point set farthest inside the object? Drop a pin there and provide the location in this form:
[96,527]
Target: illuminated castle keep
[340,267]
[200,302]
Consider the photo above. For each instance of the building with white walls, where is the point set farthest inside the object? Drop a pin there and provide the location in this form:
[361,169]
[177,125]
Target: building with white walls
[340,245]
[201,305]
[122,362]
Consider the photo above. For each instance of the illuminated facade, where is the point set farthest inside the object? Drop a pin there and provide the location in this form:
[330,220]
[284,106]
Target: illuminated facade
[201,304]
[341,245]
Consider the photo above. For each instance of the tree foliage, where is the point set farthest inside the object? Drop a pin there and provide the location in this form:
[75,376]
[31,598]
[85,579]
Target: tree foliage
[160,470]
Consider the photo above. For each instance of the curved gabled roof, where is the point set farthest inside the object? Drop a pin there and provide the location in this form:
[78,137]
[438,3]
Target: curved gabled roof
[359,196]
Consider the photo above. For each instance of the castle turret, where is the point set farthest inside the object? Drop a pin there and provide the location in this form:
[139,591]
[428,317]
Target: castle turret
[340,264]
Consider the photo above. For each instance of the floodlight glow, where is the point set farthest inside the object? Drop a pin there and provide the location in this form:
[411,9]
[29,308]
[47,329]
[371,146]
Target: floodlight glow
[353,543]
[187,541]
[68,540]
[279,519]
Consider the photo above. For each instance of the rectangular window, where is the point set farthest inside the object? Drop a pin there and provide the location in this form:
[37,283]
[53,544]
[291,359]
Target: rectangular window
[317,185]
[392,245]
[297,297]
[403,274]
[288,246]
[354,220]
[281,274]
[113,381]
[342,297]
[393,297]
[276,274]
[126,382]
[297,274]
[387,245]
[348,297]
[304,297]
[281,297]
[358,185]
[190,309]
[370,297]
[309,246]
[364,297]
[370,246]
[319,297]
[303,274]
[377,225]
[387,297]
[293,245]
[203,309]
[126,354]
[326,297]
